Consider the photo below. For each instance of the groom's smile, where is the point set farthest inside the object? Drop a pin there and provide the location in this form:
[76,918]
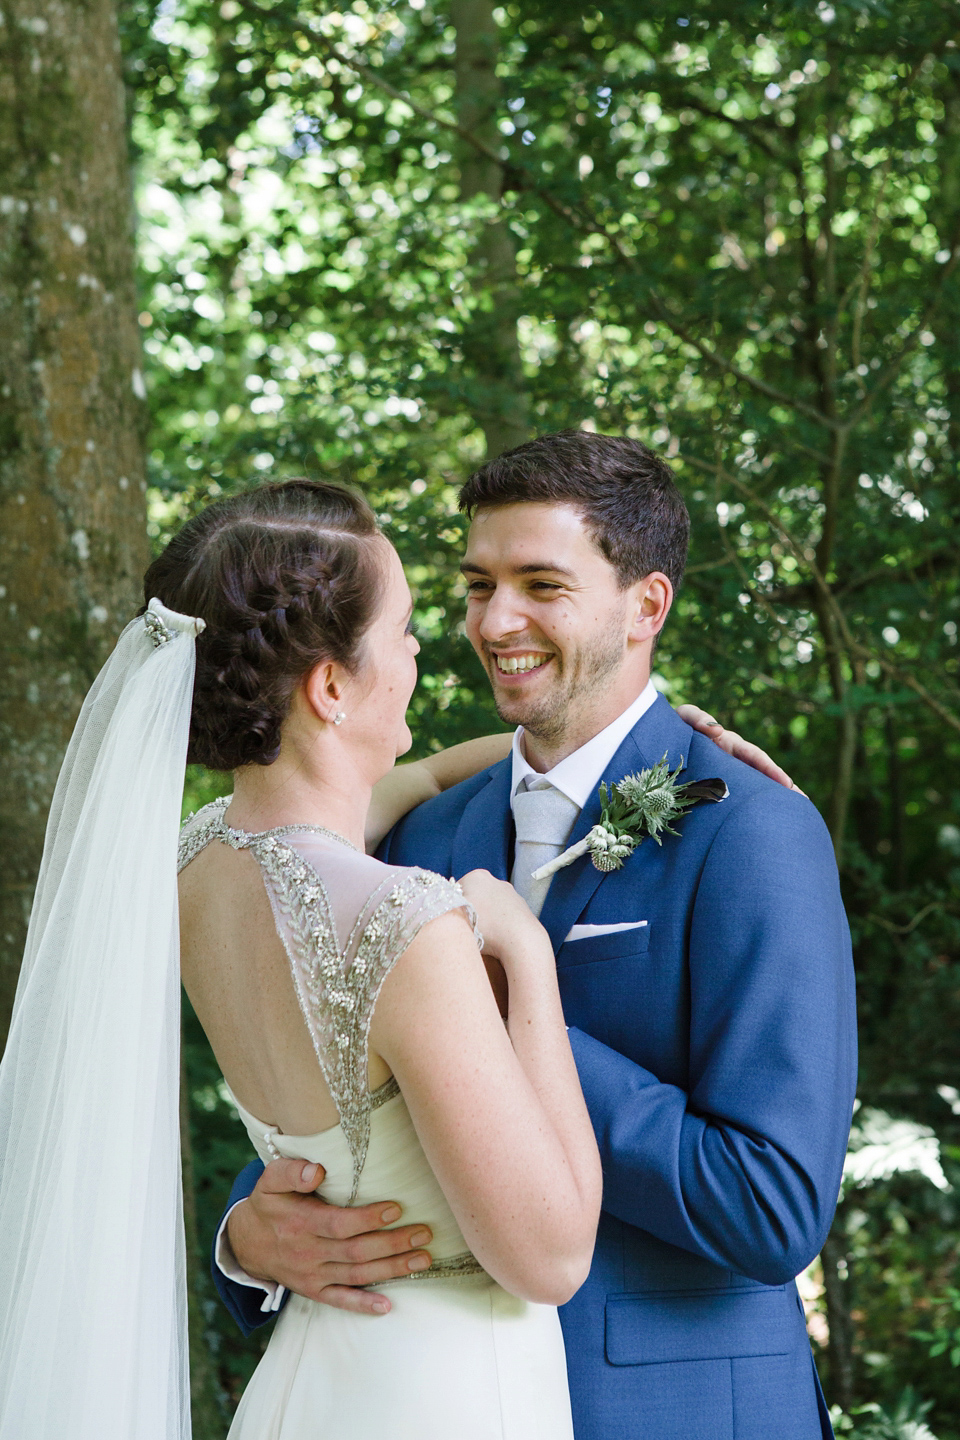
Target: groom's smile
[519,664]
[557,633]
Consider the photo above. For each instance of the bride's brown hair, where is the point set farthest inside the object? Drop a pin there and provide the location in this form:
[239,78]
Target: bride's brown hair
[284,576]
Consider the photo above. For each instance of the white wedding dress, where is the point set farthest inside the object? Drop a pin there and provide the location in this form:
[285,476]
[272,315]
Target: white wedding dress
[457,1357]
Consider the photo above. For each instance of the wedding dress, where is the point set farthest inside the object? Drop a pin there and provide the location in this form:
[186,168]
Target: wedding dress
[457,1357]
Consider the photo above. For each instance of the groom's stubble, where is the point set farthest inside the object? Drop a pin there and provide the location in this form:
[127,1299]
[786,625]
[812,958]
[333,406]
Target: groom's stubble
[581,676]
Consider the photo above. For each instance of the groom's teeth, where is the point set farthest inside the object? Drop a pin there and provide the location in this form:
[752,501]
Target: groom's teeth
[513,664]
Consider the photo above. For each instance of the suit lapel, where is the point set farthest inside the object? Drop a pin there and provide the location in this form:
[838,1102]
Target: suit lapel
[482,839]
[659,732]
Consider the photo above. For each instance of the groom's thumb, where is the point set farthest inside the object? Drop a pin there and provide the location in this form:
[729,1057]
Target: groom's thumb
[282,1176]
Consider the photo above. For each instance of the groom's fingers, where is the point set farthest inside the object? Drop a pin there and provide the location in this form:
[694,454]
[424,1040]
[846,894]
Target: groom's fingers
[359,1302]
[362,1224]
[336,1274]
[281,1177]
[282,1232]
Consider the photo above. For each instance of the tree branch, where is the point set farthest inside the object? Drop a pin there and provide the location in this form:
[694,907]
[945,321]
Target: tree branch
[892,370]
[853,646]
[578,218]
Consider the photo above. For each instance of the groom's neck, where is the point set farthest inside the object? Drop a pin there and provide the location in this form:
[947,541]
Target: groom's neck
[545,748]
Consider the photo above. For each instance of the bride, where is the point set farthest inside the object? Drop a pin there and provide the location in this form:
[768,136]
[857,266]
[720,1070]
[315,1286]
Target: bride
[347,1002]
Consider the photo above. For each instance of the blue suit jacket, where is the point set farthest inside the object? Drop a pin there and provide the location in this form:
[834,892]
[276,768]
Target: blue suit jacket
[716,1046]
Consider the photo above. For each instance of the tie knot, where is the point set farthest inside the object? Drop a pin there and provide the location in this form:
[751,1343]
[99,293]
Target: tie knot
[544,816]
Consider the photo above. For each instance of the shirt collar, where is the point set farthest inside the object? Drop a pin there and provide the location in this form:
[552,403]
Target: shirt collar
[579,774]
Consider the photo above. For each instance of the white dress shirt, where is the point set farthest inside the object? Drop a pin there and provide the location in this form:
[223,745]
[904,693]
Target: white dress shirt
[577,777]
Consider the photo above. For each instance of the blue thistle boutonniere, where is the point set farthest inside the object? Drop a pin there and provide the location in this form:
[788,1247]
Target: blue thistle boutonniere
[640,805]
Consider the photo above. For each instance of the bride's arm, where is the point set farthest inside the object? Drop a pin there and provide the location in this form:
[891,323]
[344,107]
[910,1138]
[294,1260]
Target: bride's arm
[499,1113]
[407,786]
[735,744]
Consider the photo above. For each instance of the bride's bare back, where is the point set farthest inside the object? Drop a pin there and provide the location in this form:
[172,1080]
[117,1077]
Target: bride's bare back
[237,975]
[288,936]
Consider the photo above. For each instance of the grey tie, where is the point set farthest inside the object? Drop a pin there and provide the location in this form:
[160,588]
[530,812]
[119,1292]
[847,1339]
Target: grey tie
[544,817]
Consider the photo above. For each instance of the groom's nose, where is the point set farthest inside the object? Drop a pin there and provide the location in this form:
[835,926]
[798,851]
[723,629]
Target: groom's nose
[503,615]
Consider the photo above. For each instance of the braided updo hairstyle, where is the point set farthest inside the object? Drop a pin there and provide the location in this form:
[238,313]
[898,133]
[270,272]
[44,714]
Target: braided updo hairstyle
[284,576]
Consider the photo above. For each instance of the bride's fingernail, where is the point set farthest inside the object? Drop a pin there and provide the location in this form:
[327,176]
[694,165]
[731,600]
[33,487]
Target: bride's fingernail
[390,1213]
[419,1262]
[418,1238]
[380,1307]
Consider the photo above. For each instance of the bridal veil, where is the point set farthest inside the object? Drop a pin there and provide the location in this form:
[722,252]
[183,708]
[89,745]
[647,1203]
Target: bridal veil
[93,1328]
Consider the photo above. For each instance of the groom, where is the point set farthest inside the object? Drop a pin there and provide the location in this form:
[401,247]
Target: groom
[707,983]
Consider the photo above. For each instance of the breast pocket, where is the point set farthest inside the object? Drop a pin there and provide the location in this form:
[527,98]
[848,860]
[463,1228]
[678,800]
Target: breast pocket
[618,945]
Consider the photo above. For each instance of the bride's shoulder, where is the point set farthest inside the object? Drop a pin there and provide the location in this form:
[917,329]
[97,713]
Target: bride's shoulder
[389,895]
[375,880]
[413,896]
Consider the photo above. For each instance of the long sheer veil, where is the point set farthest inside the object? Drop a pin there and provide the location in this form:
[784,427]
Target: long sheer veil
[93,1330]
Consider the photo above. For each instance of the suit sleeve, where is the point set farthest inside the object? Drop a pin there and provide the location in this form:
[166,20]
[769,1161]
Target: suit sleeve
[244,1302]
[744,1167]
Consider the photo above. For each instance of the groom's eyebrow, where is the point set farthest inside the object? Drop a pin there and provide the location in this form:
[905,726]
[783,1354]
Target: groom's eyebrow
[469,567]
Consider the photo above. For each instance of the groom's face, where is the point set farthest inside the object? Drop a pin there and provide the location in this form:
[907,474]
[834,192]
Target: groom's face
[556,632]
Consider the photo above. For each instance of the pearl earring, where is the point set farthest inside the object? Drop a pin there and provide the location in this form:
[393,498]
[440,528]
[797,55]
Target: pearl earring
[339,718]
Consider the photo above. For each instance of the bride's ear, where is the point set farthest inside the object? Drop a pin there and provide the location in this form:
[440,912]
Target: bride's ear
[323,690]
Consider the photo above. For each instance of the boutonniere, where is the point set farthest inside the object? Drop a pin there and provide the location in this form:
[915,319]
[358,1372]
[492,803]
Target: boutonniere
[637,806]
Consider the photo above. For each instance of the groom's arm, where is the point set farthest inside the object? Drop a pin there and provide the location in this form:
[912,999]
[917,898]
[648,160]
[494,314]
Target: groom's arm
[744,1168]
[249,1302]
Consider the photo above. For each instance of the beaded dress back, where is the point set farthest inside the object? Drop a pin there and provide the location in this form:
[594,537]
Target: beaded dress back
[456,1355]
[343,932]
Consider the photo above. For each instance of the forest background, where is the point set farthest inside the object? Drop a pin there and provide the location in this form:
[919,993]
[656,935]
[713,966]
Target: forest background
[241,241]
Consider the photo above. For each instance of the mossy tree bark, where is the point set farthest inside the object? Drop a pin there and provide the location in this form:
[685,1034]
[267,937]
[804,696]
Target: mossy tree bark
[73,540]
[72,415]
[491,347]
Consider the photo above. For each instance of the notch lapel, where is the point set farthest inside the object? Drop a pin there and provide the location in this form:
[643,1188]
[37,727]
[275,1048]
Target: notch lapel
[660,731]
[484,834]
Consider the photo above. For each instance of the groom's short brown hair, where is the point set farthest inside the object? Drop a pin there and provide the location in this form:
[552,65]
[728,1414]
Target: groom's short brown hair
[626,493]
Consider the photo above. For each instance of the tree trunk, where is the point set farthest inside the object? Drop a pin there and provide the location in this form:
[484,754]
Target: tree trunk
[491,348]
[839,1320]
[72,511]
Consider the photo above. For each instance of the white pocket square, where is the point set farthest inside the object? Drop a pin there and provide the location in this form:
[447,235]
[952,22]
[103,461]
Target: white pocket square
[587,932]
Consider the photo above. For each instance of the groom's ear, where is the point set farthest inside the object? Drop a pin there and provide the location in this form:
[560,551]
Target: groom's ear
[648,605]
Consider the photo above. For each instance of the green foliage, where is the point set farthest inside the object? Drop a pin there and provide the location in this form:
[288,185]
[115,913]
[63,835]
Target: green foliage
[944,1338]
[737,233]
[906,1421]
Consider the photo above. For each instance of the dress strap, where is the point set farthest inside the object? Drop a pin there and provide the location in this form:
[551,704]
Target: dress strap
[199,829]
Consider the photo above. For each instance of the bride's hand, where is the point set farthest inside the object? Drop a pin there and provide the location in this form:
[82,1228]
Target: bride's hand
[735,745]
[506,922]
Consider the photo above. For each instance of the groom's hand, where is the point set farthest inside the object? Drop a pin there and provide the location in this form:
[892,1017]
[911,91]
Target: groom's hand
[284,1232]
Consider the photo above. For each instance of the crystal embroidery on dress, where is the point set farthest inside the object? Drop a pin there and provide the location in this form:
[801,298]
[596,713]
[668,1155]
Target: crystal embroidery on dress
[337,981]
